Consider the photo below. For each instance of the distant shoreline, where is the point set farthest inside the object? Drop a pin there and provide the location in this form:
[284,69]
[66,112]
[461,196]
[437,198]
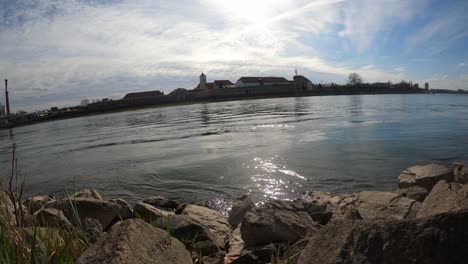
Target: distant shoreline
[168,100]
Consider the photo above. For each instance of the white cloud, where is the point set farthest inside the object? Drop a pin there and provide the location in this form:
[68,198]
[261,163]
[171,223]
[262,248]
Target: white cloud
[462,64]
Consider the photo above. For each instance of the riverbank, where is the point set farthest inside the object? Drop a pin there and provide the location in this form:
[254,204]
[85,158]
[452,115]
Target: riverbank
[424,221]
[105,107]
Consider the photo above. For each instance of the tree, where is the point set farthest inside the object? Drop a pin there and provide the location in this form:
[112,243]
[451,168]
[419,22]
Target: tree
[354,79]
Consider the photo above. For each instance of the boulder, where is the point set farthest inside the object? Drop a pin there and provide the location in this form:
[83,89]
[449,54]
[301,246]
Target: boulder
[150,213]
[35,203]
[425,176]
[236,244]
[162,202]
[7,211]
[197,237]
[92,228]
[125,212]
[386,205]
[239,208]
[211,220]
[217,258]
[134,241]
[87,193]
[276,221]
[441,238]
[258,255]
[51,217]
[84,208]
[460,172]
[445,197]
[416,193]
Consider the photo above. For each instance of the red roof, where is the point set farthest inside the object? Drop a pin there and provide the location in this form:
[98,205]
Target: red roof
[142,94]
[263,79]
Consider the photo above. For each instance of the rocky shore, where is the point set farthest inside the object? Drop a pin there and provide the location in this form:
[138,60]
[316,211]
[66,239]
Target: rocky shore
[424,221]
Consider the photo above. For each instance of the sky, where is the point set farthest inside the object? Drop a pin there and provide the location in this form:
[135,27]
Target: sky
[58,52]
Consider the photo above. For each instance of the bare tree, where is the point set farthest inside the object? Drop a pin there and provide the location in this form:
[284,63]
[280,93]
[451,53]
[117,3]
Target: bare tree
[354,79]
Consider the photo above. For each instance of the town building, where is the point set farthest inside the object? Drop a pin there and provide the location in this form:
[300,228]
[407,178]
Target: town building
[426,86]
[260,81]
[223,84]
[2,110]
[204,85]
[143,95]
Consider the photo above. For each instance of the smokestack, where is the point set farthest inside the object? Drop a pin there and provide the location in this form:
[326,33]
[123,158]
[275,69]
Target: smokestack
[6,98]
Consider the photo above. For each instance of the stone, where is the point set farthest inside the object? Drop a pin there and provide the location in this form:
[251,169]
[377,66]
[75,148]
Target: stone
[150,213]
[105,212]
[416,193]
[52,217]
[235,244]
[197,237]
[213,221]
[460,172]
[162,202]
[444,197]
[134,241]
[239,208]
[35,203]
[276,221]
[260,255]
[7,210]
[125,212]
[217,258]
[441,238]
[92,229]
[87,193]
[385,205]
[425,176]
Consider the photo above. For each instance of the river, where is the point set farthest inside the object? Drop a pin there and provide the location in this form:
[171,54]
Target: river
[268,148]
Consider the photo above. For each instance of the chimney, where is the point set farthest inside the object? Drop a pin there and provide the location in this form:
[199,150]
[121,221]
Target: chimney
[7,100]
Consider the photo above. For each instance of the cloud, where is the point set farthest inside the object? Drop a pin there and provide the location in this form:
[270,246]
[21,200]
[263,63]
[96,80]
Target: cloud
[462,64]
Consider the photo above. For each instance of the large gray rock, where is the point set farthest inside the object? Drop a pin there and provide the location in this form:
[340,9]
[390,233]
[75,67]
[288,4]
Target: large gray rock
[150,213]
[325,205]
[35,203]
[162,202]
[386,205]
[425,176]
[134,241]
[52,217]
[460,172]
[416,193]
[276,221]
[125,212]
[438,239]
[7,211]
[87,193]
[213,221]
[92,229]
[82,208]
[236,244]
[445,197]
[239,208]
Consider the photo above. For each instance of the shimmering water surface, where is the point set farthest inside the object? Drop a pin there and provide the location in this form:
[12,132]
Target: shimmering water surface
[269,148]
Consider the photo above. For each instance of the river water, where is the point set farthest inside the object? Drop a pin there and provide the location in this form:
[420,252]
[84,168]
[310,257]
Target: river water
[269,148]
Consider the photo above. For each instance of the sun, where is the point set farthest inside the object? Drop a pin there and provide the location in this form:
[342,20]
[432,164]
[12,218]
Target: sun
[252,11]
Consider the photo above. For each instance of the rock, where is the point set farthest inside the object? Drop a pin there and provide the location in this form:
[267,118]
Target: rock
[134,241]
[150,213]
[460,172]
[7,211]
[92,229]
[438,239]
[260,255]
[51,217]
[217,258]
[197,237]
[423,176]
[235,244]
[103,211]
[385,205]
[239,208]
[125,212]
[276,221]
[162,203]
[87,193]
[213,221]
[445,197]
[35,203]
[416,193]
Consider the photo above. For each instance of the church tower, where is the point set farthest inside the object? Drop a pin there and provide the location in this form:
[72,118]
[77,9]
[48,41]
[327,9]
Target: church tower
[202,80]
